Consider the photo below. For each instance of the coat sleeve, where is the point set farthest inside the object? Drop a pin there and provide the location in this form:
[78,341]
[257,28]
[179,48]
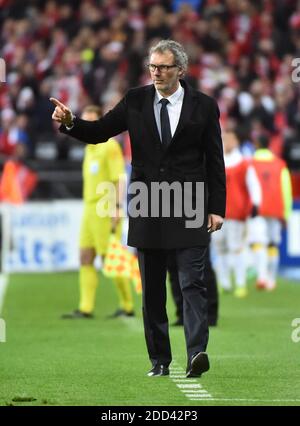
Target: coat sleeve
[93,132]
[215,168]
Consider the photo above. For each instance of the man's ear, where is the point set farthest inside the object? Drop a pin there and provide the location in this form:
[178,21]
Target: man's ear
[181,73]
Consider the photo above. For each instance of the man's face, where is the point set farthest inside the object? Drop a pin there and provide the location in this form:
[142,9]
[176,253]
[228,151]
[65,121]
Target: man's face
[230,142]
[165,81]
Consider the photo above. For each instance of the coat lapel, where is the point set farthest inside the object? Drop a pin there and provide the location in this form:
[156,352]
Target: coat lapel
[188,105]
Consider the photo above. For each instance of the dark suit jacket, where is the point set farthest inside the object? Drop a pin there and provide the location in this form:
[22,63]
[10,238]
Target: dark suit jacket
[194,155]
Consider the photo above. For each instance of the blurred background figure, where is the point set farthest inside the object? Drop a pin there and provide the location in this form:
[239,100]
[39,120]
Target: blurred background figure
[273,212]
[102,163]
[14,139]
[243,199]
[17,181]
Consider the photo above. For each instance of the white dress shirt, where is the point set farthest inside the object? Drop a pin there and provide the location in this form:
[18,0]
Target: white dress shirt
[174,108]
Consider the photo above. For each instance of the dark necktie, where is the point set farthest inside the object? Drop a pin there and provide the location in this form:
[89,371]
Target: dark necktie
[166,134]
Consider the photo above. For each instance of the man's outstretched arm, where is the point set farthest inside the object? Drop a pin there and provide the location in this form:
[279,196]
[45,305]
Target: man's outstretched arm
[111,124]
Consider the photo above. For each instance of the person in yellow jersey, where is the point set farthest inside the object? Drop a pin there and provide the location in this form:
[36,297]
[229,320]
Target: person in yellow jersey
[102,163]
[273,212]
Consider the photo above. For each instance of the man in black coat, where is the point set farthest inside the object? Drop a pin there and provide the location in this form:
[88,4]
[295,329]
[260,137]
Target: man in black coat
[175,197]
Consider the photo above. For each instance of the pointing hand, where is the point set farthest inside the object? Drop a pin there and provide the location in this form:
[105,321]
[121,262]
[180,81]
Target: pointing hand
[62,114]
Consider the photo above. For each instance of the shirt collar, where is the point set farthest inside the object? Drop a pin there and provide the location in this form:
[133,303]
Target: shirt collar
[173,98]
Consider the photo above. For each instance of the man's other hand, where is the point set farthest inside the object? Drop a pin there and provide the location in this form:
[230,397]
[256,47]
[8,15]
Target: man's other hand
[214,222]
[62,114]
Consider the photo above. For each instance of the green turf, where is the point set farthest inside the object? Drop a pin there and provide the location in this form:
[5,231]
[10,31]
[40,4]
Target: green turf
[49,361]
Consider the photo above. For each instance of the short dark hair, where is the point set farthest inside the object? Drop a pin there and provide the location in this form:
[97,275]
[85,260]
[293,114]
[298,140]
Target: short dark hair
[263,141]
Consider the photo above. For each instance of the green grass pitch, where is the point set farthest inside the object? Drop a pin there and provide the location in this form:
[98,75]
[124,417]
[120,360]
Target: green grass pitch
[50,361]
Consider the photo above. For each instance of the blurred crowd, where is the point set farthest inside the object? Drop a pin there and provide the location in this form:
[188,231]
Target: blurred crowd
[92,51]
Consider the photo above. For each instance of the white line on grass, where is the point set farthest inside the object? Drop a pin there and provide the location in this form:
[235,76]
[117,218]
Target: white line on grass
[177,373]
[189,387]
[199,397]
[176,376]
[5,247]
[193,390]
[3,286]
[249,400]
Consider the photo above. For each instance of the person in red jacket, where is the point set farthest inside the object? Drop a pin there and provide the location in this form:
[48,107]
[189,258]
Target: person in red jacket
[243,197]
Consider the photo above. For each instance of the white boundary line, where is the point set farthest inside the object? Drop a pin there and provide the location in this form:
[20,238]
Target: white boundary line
[5,226]
[3,287]
[193,390]
[247,400]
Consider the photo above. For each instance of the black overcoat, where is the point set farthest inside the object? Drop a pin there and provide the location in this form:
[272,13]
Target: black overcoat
[195,154]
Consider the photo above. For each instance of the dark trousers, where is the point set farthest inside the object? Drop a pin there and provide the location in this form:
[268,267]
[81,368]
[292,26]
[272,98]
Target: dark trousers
[211,285]
[153,268]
